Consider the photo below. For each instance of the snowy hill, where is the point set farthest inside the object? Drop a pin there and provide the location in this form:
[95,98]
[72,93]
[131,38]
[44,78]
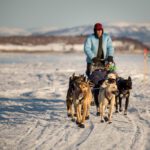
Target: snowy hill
[74,31]
[41,30]
[5,31]
[139,32]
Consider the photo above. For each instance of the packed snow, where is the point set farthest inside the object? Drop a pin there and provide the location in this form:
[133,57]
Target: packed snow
[33,112]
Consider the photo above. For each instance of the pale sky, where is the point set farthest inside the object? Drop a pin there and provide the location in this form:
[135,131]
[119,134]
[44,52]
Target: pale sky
[70,13]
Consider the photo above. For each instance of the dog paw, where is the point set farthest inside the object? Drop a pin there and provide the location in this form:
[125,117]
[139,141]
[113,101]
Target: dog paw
[120,110]
[102,121]
[75,115]
[73,120]
[106,119]
[77,122]
[87,117]
[116,111]
[98,114]
[109,122]
[81,125]
[69,115]
[125,113]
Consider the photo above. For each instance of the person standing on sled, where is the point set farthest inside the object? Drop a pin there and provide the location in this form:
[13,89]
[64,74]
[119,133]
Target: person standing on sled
[98,47]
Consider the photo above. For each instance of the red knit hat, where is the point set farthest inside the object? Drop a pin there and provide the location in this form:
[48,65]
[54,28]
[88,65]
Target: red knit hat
[98,26]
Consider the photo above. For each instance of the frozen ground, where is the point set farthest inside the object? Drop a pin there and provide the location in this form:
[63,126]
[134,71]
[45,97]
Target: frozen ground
[33,112]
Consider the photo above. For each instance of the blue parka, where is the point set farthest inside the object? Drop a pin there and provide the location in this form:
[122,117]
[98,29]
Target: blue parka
[91,47]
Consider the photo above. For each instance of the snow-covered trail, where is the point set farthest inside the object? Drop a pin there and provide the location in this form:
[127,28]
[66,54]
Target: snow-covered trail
[33,111]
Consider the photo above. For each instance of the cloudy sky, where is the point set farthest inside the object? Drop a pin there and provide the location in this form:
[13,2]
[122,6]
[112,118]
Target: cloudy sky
[69,13]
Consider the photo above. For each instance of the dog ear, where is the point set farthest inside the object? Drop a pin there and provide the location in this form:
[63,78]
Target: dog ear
[129,78]
[106,82]
[73,75]
[88,82]
[116,75]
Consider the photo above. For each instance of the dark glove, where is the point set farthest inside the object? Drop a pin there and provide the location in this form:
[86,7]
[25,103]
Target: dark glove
[95,60]
[110,59]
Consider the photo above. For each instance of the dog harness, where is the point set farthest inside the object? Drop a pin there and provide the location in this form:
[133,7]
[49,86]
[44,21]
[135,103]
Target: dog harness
[107,96]
[126,94]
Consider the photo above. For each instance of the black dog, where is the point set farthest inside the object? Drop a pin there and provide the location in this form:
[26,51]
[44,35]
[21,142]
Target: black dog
[124,87]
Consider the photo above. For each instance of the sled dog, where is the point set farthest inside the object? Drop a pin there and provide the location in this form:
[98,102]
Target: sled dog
[124,88]
[72,94]
[84,103]
[107,97]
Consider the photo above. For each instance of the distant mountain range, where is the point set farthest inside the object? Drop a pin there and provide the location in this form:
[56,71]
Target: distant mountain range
[140,32]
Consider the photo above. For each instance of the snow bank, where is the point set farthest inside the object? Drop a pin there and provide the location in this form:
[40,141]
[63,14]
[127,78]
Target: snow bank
[55,47]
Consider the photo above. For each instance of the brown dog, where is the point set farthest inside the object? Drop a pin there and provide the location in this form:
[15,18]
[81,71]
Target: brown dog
[73,94]
[84,103]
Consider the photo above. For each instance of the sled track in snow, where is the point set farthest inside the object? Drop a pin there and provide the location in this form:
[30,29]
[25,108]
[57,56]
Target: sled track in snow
[86,133]
[142,130]
[28,133]
[137,136]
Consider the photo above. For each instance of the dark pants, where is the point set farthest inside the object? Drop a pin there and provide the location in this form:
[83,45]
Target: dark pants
[96,91]
[95,94]
[88,69]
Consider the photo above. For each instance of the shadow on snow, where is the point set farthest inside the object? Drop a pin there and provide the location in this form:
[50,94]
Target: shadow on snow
[16,110]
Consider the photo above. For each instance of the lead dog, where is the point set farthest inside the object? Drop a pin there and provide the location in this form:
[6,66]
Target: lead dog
[107,96]
[73,94]
[110,78]
[83,104]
